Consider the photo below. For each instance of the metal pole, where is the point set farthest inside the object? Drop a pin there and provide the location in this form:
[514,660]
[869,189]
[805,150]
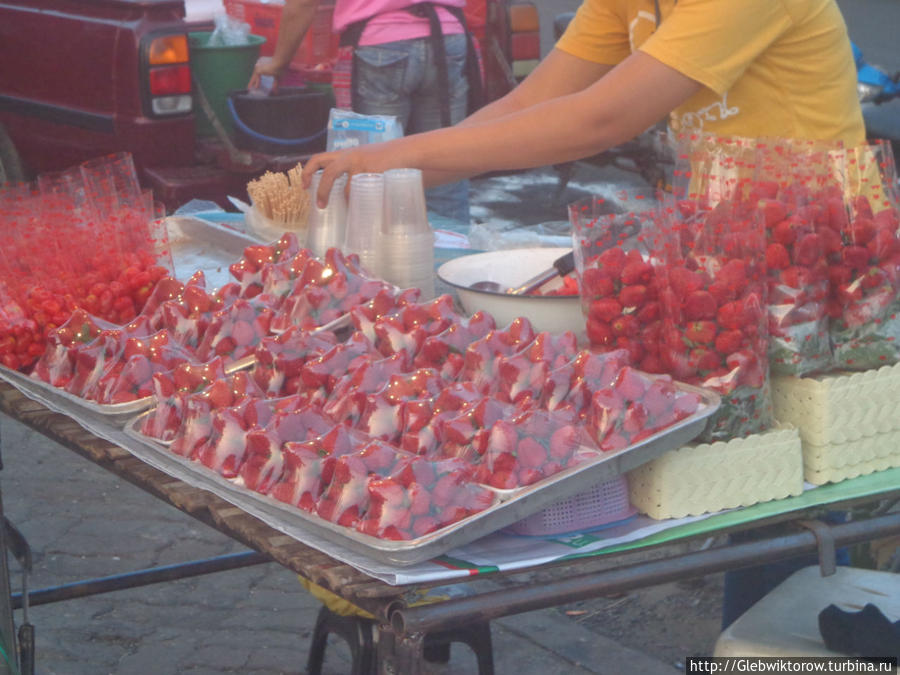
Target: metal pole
[507,601]
[118,582]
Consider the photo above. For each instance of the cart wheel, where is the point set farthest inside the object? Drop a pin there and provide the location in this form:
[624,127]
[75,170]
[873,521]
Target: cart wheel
[10,165]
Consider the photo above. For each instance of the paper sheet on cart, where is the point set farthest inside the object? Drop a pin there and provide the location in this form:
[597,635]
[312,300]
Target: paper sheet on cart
[498,551]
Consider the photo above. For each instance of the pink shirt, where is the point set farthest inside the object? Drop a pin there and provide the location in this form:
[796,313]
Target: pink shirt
[390,22]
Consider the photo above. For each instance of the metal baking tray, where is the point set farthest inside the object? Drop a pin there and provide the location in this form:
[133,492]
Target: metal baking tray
[200,245]
[117,413]
[510,506]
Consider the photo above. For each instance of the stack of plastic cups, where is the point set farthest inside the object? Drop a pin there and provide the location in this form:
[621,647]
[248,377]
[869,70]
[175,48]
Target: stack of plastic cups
[407,240]
[327,227]
[364,216]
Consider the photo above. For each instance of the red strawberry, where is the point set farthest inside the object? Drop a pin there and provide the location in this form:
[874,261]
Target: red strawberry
[773,211]
[599,332]
[701,332]
[808,250]
[605,309]
[611,261]
[855,257]
[731,315]
[777,257]
[733,274]
[625,325]
[597,283]
[684,281]
[861,230]
[649,312]
[729,341]
[784,233]
[637,272]
[633,296]
[700,305]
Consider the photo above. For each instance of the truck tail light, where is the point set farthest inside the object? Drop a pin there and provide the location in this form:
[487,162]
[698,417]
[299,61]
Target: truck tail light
[167,75]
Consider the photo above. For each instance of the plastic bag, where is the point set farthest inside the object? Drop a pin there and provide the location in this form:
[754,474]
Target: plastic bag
[793,193]
[712,285]
[619,295]
[228,31]
[348,129]
[865,271]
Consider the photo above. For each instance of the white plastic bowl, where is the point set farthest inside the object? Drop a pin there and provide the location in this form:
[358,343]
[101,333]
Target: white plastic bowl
[511,268]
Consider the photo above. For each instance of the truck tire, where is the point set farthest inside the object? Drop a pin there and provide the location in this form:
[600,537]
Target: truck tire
[10,165]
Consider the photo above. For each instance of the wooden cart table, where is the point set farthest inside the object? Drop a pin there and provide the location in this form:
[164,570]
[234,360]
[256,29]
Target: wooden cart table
[404,624]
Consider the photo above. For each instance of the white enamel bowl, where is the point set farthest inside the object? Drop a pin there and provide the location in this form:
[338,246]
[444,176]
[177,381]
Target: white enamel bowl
[511,268]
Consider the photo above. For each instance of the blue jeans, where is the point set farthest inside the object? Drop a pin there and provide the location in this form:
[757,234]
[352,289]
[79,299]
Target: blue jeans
[401,79]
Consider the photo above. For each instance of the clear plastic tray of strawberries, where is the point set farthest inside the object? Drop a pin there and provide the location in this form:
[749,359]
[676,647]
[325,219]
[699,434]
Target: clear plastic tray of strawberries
[424,429]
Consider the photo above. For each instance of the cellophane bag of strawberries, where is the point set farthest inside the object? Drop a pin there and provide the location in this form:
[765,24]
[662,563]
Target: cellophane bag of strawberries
[711,274]
[87,237]
[796,196]
[864,307]
[619,294]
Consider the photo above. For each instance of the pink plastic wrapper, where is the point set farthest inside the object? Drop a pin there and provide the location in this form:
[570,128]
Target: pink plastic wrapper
[385,303]
[445,351]
[480,359]
[248,271]
[635,407]
[194,430]
[407,330]
[171,390]
[234,332]
[345,500]
[422,497]
[529,448]
[280,359]
[325,292]
[130,378]
[263,461]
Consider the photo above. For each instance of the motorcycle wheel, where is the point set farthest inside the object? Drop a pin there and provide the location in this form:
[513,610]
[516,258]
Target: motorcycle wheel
[11,170]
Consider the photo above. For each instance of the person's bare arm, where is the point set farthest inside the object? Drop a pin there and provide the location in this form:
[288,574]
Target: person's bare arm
[296,18]
[558,74]
[632,97]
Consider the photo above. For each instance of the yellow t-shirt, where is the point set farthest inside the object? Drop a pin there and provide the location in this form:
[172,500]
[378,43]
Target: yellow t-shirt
[779,68]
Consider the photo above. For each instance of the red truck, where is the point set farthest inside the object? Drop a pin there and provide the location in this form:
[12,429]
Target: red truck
[84,78]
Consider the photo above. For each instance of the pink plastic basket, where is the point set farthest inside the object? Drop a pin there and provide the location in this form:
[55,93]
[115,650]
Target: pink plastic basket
[604,503]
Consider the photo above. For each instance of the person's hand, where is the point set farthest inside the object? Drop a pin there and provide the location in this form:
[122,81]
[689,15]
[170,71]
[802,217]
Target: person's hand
[373,158]
[265,66]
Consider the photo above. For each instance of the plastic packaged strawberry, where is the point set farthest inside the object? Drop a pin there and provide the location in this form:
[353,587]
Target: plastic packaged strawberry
[345,500]
[263,460]
[248,270]
[385,303]
[481,356]
[234,332]
[279,359]
[635,407]
[445,351]
[171,390]
[324,371]
[534,446]
[864,307]
[422,497]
